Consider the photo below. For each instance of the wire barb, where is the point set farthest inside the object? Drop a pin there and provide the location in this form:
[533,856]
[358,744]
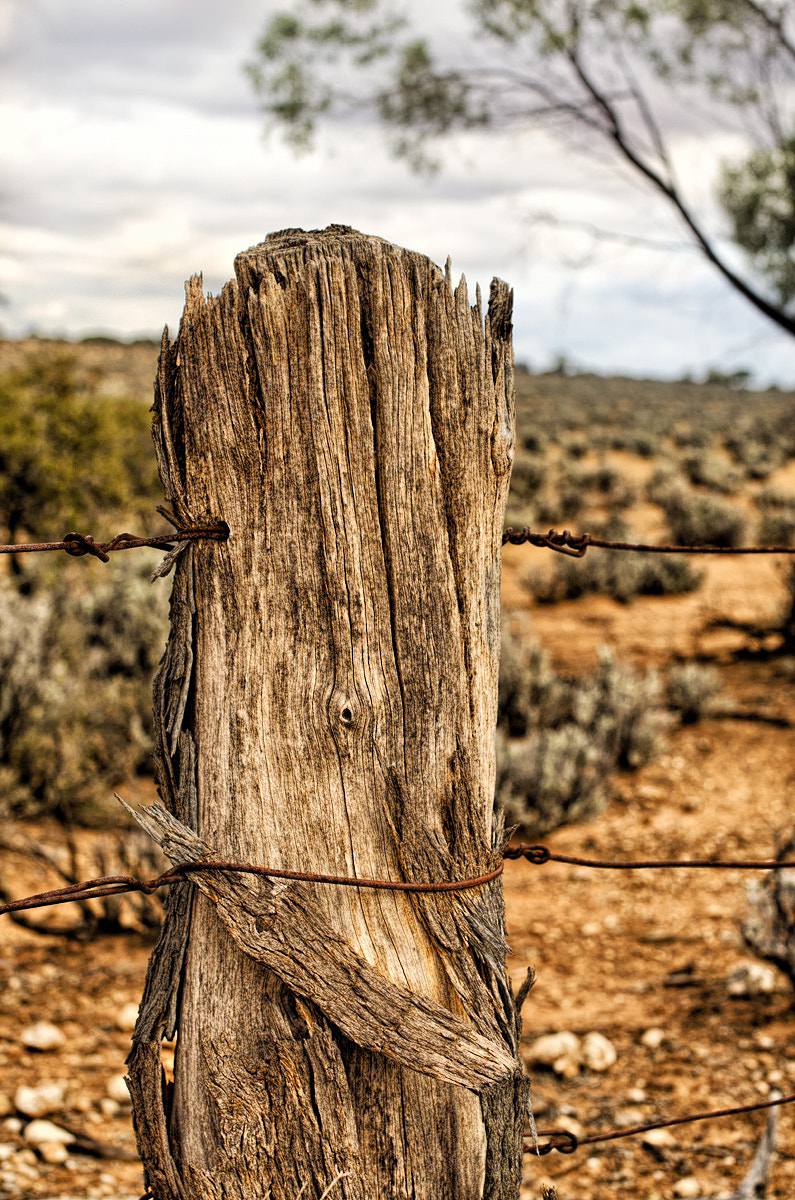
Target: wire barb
[576,544]
[538,855]
[79,544]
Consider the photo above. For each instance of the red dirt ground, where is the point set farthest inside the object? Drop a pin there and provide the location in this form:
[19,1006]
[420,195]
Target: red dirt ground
[607,946]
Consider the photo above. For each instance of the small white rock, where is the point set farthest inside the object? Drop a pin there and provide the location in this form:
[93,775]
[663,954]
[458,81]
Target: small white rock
[110,1108]
[6,1150]
[117,1090]
[653,1038]
[659,1138]
[689,1186]
[127,1016]
[46,1131]
[627,1117]
[598,1052]
[42,1036]
[39,1101]
[561,1051]
[53,1152]
[750,978]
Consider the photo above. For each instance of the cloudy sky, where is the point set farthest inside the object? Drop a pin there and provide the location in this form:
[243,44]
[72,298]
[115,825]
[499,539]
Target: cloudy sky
[132,155]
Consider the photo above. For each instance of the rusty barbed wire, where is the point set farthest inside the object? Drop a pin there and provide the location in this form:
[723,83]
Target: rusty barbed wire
[576,544]
[112,885]
[569,1142]
[78,544]
[538,855]
[572,544]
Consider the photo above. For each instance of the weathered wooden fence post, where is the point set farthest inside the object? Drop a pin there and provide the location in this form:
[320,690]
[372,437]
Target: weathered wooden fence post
[327,703]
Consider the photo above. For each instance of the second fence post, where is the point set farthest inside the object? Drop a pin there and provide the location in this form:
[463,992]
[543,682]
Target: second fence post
[327,703]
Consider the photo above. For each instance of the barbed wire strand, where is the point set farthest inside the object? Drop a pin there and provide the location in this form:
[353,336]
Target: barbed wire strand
[78,544]
[571,1141]
[538,855]
[574,545]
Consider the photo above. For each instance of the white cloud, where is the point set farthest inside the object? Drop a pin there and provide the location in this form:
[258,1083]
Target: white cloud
[133,156]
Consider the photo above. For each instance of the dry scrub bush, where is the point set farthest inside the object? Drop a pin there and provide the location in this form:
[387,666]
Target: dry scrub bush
[559,737]
[76,667]
[777,517]
[691,690]
[620,576]
[699,519]
[769,930]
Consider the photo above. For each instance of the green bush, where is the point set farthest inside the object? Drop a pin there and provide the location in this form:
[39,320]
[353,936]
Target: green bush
[76,668]
[70,459]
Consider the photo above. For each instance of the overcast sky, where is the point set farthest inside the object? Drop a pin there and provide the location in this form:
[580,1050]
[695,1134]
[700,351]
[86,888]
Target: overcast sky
[132,155]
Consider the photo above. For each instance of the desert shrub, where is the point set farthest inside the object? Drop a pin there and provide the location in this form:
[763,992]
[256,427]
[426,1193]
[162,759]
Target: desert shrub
[551,778]
[534,441]
[665,481]
[69,459]
[560,736]
[609,488]
[691,690]
[697,519]
[769,928]
[618,575]
[528,476]
[76,669]
[531,695]
[709,470]
[575,445]
[777,522]
[645,445]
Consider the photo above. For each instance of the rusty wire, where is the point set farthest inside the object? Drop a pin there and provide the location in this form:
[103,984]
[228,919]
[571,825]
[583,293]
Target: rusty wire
[566,1142]
[78,544]
[576,544]
[112,885]
[572,544]
[538,855]
[561,1140]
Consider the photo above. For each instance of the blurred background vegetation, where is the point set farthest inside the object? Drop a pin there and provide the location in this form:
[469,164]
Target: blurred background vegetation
[80,641]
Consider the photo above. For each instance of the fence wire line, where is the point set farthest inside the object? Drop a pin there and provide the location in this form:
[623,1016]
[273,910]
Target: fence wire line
[537,855]
[572,544]
[576,544]
[566,1142]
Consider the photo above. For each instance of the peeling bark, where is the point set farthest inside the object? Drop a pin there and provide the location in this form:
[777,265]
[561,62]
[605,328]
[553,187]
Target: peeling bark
[327,702]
